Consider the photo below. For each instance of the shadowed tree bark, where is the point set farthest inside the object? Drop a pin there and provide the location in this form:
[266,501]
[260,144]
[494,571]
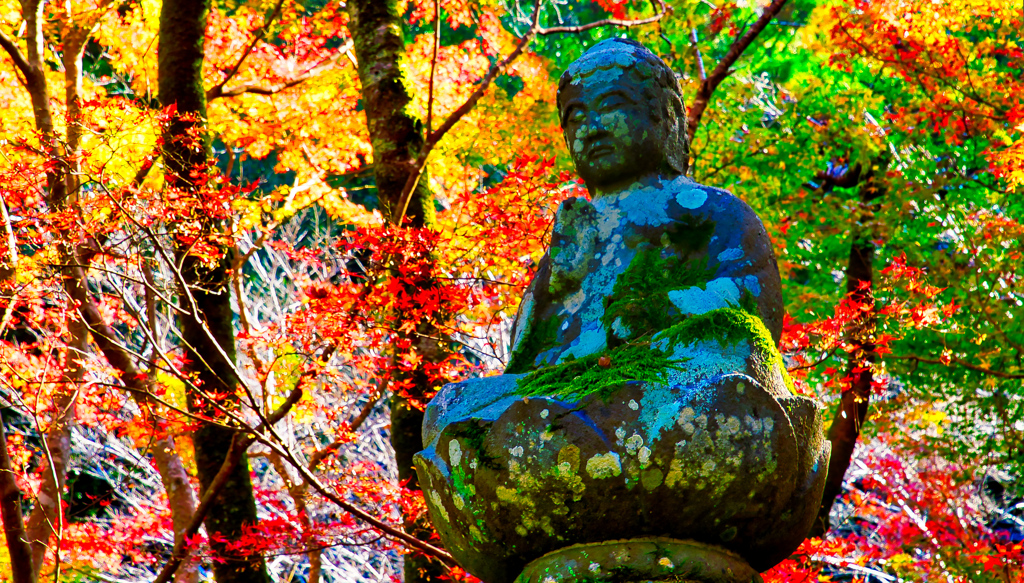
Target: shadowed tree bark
[852,412]
[18,547]
[397,140]
[206,323]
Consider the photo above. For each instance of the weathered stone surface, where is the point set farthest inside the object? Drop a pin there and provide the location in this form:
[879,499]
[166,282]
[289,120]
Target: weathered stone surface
[626,266]
[645,396]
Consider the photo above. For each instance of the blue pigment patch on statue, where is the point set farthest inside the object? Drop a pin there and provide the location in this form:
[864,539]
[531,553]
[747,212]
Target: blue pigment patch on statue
[645,207]
[660,409]
[592,339]
[597,78]
[717,293]
[752,284]
[691,197]
[704,359]
[730,254]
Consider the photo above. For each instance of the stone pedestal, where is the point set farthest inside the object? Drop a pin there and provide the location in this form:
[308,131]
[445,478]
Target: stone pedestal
[640,559]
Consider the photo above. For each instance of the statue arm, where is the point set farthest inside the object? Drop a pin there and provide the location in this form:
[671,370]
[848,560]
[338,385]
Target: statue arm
[745,273]
[535,299]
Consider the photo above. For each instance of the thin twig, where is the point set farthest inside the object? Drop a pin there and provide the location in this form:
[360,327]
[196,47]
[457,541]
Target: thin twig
[235,452]
[701,73]
[382,388]
[723,69]
[958,361]
[815,364]
[535,30]
[433,66]
[216,91]
[388,530]
[302,78]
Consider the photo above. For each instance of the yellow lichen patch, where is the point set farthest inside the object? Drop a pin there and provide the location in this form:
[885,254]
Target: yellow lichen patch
[439,505]
[605,465]
[569,456]
[651,479]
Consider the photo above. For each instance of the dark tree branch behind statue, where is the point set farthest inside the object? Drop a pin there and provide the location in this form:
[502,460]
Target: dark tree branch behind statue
[724,68]
[852,411]
[497,68]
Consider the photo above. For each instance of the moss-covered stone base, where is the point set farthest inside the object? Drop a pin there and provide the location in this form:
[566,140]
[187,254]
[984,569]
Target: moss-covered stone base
[719,457]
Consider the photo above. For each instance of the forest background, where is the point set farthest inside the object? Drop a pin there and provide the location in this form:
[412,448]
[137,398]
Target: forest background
[245,240]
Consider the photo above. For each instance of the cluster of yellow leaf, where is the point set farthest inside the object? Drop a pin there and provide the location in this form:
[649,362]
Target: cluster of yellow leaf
[1009,163]
[130,41]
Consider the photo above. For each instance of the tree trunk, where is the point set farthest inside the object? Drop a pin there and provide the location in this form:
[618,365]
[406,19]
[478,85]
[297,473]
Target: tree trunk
[397,140]
[853,403]
[18,547]
[397,137]
[63,185]
[852,412]
[206,326]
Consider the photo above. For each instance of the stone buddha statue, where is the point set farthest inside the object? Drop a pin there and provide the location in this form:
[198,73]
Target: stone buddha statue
[645,427]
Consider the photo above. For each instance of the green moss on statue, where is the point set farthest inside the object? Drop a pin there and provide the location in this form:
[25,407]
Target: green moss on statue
[728,326]
[639,302]
[585,376]
[473,435]
[539,337]
[691,235]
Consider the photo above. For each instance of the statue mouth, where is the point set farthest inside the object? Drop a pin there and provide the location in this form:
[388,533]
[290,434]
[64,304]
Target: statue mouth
[600,150]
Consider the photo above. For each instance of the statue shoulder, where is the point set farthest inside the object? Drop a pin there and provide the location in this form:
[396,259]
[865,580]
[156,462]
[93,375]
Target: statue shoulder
[730,213]
[693,196]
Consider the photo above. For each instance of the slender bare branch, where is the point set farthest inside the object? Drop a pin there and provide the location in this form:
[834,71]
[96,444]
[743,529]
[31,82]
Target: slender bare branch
[239,444]
[701,73]
[216,90]
[433,66]
[497,68]
[959,362]
[388,530]
[723,69]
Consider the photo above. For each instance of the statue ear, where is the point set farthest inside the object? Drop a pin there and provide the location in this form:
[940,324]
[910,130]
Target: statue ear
[669,129]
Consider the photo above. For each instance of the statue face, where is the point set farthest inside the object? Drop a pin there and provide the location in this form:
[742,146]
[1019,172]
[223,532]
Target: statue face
[613,135]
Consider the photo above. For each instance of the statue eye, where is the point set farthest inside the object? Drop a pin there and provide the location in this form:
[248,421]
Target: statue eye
[576,115]
[613,101]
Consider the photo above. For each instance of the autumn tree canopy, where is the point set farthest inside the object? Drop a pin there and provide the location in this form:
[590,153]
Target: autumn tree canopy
[244,242]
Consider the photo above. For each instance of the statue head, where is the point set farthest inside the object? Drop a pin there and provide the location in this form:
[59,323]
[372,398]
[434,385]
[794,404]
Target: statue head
[622,115]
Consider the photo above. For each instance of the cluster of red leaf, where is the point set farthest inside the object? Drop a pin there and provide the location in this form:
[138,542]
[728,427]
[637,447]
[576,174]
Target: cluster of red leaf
[866,320]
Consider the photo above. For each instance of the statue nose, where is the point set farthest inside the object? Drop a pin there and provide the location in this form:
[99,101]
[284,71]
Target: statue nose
[593,126]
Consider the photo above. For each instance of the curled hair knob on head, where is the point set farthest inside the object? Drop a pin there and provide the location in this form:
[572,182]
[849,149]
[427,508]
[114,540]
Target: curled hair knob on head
[656,79]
